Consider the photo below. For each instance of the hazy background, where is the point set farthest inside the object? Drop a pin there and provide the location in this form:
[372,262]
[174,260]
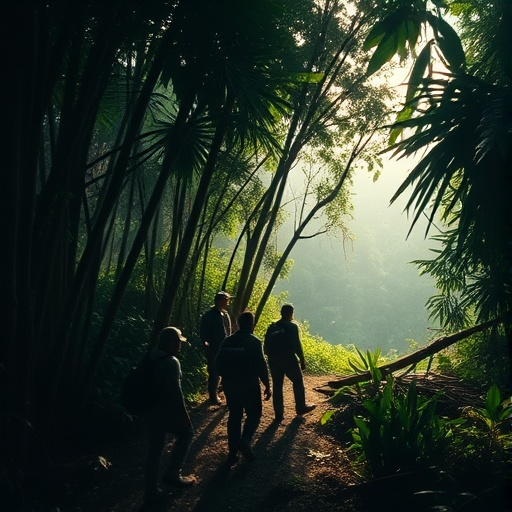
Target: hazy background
[366,292]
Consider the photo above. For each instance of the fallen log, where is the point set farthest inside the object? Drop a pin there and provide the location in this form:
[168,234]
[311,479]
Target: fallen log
[418,355]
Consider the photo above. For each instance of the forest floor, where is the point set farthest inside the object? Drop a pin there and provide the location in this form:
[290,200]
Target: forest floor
[297,467]
[300,466]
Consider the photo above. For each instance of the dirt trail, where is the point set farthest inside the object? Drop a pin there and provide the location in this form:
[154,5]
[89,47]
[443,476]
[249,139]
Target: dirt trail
[296,469]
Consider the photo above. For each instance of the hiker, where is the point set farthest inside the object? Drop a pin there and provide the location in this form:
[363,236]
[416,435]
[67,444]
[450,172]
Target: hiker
[214,327]
[168,415]
[241,364]
[283,348]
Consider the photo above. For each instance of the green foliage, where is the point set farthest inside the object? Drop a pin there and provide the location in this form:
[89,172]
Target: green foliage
[213,277]
[368,363]
[194,369]
[496,416]
[483,442]
[399,32]
[485,31]
[461,120]
[399,431]
[270,262]
[480,360]
[322,357]
[128,342]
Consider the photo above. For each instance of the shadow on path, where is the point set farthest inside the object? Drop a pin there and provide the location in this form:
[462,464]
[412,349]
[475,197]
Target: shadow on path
[222,489]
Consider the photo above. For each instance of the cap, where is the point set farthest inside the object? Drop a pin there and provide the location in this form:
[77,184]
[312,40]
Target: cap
[177,333]
[223,295]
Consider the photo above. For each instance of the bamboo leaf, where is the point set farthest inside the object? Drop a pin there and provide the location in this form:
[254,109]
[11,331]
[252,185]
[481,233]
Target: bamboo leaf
[418,71]
[377,33]
[449,43]
[413,28]
[384,52]
[397,128]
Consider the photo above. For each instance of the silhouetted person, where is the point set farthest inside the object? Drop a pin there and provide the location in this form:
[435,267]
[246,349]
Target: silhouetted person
[215,326]
[168,416]
[242,365]
[283,347]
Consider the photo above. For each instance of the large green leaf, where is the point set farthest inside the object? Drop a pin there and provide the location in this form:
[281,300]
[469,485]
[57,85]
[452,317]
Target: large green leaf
[449,43]
[376,34]
[398,128]
[492,400]
[413,27]
[418,71]
[393,35]
[384,52]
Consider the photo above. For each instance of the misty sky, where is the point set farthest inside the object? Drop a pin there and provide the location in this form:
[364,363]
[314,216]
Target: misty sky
[366,293]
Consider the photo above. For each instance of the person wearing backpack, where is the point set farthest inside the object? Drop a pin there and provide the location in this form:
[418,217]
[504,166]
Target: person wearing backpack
[168,415]
[241,364]
[285,355]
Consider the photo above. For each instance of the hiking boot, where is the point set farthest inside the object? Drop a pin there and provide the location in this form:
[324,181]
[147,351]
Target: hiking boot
[215,400]
[232,459]
[307,408]
[246,450]
[179,481]
[152,500]
[278,418]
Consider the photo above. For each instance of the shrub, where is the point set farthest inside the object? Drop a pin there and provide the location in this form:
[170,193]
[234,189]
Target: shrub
[322,357]
[484,441]
[400,431]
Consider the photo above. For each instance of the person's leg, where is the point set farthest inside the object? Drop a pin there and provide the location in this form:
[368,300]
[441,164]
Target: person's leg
[294,373]
[277,373]
[213,378]
[179,454]
[156,437]
[253,409]
[236,410]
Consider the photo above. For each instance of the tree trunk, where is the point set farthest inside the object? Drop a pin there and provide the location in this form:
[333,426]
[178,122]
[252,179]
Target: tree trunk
[359,147]
[131,260]
[171,291]
[414,358]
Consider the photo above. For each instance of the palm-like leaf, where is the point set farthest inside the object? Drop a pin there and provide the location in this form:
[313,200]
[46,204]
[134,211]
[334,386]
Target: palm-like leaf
[466,132]
[468,129]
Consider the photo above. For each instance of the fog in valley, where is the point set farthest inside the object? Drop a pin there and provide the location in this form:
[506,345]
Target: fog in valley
[366,292]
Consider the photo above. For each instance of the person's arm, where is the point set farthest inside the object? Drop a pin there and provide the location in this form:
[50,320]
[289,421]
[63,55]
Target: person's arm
[229,326]
[171,380]
[220,361]
[261,367]
[298,345]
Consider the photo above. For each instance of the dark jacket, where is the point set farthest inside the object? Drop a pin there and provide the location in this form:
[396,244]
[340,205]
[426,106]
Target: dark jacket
[214,327]
[171,411]
[240,358]
[292,345]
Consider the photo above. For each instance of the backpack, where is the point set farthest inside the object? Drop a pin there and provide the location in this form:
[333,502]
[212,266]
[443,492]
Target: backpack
[234,361]
[138,393]
[274,344]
